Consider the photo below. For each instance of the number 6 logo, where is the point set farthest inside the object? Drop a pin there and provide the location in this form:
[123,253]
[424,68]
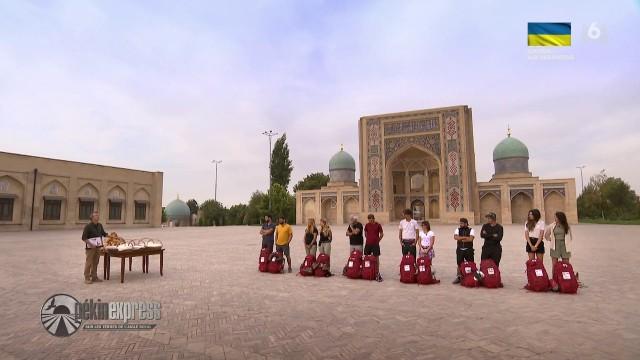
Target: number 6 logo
[594,31]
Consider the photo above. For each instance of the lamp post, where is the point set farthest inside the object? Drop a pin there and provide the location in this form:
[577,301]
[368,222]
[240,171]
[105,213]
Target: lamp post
[270,134]
[581,178]
[215,189]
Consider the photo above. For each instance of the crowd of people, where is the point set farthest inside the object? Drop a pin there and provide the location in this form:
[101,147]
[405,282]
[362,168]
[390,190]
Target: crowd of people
[418,239]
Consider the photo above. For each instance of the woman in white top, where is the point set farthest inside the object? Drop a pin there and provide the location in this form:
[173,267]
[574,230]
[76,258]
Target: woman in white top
[427,240]
[533,234]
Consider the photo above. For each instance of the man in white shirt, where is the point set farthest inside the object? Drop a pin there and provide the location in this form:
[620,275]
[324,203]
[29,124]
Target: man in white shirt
[464,236]
[408,232]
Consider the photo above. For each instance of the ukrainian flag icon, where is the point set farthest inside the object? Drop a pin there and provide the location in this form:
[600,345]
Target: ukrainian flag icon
[549,34]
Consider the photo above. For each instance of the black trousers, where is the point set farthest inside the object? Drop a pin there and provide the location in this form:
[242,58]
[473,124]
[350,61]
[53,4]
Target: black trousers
[493,252]
[464,254]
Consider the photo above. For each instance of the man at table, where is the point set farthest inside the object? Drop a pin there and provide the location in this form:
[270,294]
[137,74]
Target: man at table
[92,237]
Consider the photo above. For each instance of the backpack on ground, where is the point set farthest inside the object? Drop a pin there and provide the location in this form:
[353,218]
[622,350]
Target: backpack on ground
[323,263]
[370,267]
[490,274]
[308,265]
[425,275]
[565,277]
[263,260]
[276,263]
[537,277]
[353,269]
[468,273]
[408,269]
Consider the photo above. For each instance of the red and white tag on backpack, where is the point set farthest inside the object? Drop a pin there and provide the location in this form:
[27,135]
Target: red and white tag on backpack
[407,268]
[491,271]
[539,272]
[566,275]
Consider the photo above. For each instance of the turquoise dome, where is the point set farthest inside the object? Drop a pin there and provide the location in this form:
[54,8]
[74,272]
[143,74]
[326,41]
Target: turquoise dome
[177,209]
[342,161]
[510,148]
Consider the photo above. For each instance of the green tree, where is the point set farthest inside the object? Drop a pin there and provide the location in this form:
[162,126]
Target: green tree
[193,206]
[312,182]
[608,198]
[257,207]
[164,215]
[237,214]
[280,163]
[282,203]
[213,213]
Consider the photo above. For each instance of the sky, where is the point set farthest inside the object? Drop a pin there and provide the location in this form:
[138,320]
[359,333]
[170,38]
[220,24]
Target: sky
[172,85]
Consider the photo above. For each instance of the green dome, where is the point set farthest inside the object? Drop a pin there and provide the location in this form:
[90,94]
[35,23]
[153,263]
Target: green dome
[510,148]
[177,209]
[342,161]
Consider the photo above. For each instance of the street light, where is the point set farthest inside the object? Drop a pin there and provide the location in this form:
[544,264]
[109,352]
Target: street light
[215,191]
[270,134]
[581,178]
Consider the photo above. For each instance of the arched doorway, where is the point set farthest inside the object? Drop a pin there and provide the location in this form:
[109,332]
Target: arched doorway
[553,203]
[329,211]
[520,206]
[413,172]
[490,203]
[417,206]
[309,210]
[434,209]
[349,208]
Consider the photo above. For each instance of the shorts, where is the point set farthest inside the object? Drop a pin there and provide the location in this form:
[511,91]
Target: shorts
[283,249]
[355,247]
[431,254]
[408,247]
[467,254]
[267,244]
[560,252]
[493,252]
[372,250]
[539,250]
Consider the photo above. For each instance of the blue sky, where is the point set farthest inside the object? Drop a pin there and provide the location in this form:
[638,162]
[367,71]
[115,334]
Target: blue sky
[170,85]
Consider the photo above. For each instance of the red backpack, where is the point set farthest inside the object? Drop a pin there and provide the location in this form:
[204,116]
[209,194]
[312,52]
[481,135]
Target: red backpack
[323,262]
[537,278]
[308,265]
[353,269]
[408,269]
[565,278]
[468,270]
[263,260]
[276,262]
[491,273]
[425,276]
[370,267]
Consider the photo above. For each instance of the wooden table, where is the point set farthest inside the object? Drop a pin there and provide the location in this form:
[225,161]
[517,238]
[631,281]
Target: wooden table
[130,254]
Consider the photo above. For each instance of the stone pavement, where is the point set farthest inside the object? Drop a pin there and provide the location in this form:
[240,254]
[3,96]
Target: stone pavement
[216,305]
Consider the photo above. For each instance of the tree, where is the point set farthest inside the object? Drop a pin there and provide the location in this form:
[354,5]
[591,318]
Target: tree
[312,182]
[164,215]
[236,215]
[213,213]
[257,208]
[280,163]
[608,198]
[282,203]
[193,206]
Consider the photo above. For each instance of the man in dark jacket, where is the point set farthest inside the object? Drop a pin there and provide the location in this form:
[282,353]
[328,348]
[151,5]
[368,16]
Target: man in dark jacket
[92,237]
[492,234]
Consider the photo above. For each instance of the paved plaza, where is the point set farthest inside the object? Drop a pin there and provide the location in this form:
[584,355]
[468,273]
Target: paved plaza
[216,305]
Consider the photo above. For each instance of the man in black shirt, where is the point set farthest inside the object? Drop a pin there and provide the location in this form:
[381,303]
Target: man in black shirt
[492,234]
[354,232]
[92,237]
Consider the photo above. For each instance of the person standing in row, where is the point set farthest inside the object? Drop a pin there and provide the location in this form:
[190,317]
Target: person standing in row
[408,233]
[533,234]
[464,236]
[267,231]
[560,238]
[284,234]
[373,233]
[310,238]
[324,246]
[354,232]
[492,233]
[92,236]
[427,240]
